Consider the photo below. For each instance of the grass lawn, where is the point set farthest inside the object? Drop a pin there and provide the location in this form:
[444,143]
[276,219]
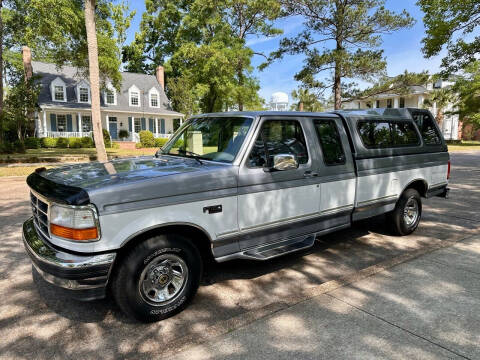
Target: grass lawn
[465,146]
[18,170]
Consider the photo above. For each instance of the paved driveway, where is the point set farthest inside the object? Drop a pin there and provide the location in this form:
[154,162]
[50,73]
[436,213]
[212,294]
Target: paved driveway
[36,322]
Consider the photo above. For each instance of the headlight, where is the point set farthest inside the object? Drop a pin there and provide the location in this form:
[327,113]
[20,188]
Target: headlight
[74,223]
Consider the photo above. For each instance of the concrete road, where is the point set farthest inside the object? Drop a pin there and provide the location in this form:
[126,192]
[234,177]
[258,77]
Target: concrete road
[347,292]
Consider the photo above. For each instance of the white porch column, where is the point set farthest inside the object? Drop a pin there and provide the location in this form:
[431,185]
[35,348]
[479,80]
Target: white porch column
[156,127]
[133,128]
[374,103]
[44,130]
[80,123]
[181,121]
[420,101]
[396,102]
[108,124]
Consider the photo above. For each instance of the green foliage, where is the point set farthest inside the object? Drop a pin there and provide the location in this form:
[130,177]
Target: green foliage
[340,38]
[451,24]
[123,134]
[467,89]
[62,143]
[115,145]
[87,142]
[74,143]
[49,143]
[106,138]
[310,101]
[159,142]
[33,143]
[146,138]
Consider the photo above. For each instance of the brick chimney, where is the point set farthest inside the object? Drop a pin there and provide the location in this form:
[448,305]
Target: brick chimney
[27,62]
[159,73]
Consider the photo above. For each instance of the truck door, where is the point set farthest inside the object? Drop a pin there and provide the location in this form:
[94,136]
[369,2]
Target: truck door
[336,171]
[274,205]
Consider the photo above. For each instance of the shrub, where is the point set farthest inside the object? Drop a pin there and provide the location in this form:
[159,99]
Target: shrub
[123,134]
[48,142]
[87,142]
[33,143]
[106,138]
[62,143]
[115,145]
[74,143]
[159,142]
[138,145]
[146,139]
[12,147]
[178,144]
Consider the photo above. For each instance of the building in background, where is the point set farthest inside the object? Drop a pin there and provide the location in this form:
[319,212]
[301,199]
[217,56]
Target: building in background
[279,101]
[65,104]
[451,126]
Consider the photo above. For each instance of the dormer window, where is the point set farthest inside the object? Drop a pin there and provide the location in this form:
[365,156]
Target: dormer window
[59,93]
[154,97]
[83,95]
[110,97]
[134,96]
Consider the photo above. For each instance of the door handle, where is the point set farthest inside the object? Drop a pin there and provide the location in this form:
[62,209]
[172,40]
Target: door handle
[309,174]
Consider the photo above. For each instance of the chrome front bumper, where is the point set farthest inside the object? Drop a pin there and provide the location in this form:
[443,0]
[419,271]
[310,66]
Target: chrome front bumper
[85,277]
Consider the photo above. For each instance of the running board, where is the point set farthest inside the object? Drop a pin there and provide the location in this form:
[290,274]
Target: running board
[285,247]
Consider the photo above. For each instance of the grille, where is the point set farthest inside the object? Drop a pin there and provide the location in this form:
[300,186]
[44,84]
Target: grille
[40,213]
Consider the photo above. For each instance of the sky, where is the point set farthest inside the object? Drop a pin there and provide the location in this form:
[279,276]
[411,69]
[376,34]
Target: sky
[402,49]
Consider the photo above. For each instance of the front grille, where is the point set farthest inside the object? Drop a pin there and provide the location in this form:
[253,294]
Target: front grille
[40,214]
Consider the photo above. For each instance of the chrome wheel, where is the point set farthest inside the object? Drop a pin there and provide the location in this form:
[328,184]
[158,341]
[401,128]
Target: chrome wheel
[163,279]
[410,213]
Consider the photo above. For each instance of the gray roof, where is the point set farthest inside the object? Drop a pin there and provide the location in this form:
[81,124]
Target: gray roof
[71,77]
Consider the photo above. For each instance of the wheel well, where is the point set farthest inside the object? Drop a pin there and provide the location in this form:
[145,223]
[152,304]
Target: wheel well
[198,238]
[419,185]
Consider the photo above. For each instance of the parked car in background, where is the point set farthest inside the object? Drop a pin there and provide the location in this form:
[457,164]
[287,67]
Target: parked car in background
[246,185]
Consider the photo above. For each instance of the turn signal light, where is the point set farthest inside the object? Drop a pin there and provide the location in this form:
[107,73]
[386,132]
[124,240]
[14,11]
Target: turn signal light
[74,234]
[448,170]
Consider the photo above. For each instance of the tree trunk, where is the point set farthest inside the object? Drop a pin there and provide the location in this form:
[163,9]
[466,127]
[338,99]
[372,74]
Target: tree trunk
[300,106]
[241,82]
[1,74]
[94,79]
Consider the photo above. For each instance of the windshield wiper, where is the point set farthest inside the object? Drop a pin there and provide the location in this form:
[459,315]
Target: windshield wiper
[191,154]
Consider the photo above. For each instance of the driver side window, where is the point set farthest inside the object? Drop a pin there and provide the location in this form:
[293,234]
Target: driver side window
[278,137]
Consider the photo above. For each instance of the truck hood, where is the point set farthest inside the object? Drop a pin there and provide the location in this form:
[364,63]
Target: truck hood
[136,183]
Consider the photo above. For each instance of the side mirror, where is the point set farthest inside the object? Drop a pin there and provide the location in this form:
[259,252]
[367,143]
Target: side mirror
[285,162]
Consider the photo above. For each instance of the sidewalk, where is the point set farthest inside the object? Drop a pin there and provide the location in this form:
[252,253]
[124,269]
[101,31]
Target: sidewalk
[426,308]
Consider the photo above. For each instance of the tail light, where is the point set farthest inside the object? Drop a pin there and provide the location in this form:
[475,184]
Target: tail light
[448,170]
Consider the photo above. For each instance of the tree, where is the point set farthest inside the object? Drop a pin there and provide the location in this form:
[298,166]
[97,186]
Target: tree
[306,101]
[467,88]
[353,27]
[94,79]
[440,98]
[448,25]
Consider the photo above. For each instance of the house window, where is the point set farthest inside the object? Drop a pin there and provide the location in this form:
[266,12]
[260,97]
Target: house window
[402,102]
[389,103]
[134,98]
[377,103]
[154,100]
[110,97]
[86,123]
[61,123]
[138,125]
[58,93]
[83,97]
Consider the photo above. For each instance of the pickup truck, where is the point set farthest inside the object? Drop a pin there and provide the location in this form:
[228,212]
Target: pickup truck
[235,185]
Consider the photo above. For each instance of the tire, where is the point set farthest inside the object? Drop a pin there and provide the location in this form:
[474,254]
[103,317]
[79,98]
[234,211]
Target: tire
[401,223]
[157,278]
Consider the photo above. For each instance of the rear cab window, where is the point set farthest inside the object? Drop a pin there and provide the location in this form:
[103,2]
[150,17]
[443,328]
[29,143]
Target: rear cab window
[427,128]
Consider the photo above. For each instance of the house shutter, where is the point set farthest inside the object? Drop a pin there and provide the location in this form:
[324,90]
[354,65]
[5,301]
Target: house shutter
[69,123]
[151,125]
[77,120]
[130,124]
[162,126]
[53,122]
[144,124]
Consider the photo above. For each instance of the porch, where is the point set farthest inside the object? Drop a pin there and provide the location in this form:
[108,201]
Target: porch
[68,123]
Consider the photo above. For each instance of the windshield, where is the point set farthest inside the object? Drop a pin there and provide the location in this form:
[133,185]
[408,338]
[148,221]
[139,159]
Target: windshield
[210,138]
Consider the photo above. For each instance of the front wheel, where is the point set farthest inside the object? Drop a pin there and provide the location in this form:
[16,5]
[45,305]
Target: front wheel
[404,219]
[157,278]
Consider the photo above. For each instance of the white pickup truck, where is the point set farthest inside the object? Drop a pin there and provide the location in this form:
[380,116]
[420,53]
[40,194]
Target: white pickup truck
[246,185]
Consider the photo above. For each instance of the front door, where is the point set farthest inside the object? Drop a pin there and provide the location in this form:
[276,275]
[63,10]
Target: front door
[274,205]
[112,127]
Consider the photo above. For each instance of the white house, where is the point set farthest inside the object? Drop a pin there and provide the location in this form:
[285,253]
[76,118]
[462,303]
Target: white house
[414,98]
[65,104]
[279,101]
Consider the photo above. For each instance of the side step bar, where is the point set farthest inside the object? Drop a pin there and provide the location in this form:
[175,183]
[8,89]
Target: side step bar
[273,250]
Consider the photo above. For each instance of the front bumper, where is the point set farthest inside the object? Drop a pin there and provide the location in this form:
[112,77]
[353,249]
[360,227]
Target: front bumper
[84,277]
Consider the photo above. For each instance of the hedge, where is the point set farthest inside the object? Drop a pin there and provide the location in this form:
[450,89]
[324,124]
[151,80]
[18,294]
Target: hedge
[33,143]
[62,143]
[49,142]
[146,139]
[159,142]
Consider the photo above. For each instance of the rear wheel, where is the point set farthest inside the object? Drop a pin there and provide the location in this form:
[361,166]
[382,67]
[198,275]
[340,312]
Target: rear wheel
[404,219]
[158,278]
